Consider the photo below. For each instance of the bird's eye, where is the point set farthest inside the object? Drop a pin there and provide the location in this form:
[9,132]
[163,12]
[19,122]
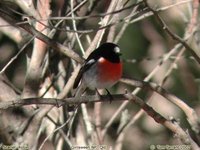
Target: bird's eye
[117,50]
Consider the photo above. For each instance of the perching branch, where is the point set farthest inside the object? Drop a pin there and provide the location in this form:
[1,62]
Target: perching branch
[95,98]
[192,117]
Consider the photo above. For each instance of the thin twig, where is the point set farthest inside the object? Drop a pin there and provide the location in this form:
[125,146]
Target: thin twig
[75,29]
[16,56]
[34,70]
[68,52]
[173,35]
[166,57]
[58,128]
[151,74]
[174,127]
[192,117]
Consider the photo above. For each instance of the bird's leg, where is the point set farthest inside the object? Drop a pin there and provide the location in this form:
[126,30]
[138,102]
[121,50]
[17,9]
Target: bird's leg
[108,93]
[98,94]
[110,96]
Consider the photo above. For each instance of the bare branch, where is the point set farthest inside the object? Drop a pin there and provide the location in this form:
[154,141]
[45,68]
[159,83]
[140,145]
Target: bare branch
[68,52]
[173,35]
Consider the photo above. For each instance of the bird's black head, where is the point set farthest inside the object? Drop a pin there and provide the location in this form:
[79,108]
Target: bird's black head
[109,51]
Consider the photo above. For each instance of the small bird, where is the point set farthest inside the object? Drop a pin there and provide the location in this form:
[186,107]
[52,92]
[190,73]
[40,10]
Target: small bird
[102,69]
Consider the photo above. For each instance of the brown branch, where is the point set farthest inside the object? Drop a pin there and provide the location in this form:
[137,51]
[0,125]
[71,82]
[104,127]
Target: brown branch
[151,74]
[138,16]
[6,126]
[34,75]
[192,117]
[30,29]
[171,34]
[174,127]
[97,119]
[9,30]
[193,20]
[58,102]
[27,6]
[34,70]
[97,15]
[98,37]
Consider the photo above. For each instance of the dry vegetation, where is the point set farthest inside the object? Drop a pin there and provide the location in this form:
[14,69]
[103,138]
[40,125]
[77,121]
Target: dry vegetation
[155,104]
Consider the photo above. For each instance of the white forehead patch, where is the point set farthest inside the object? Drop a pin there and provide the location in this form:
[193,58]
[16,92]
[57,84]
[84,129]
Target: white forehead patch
[117,49]
[101,60]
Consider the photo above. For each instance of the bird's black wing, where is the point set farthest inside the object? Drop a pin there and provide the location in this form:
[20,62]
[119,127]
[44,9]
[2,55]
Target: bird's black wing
[83,69]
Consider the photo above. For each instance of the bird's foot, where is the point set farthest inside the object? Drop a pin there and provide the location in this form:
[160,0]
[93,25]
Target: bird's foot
[110,96]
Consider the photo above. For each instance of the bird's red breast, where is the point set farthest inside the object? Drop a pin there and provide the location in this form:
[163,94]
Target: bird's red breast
[102,68]
[108,71]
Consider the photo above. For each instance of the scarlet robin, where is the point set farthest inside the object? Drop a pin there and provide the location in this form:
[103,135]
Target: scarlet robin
[102,69]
